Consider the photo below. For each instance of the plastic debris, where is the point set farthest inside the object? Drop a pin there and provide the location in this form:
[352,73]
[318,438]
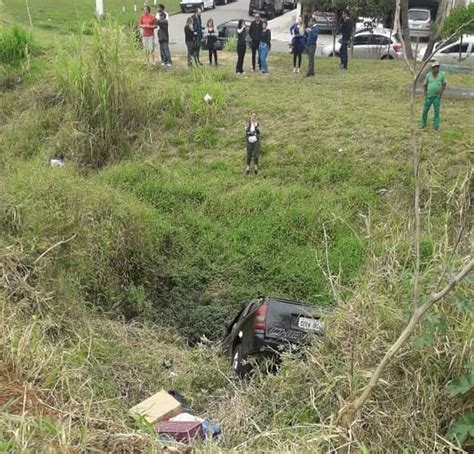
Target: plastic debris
[159,407]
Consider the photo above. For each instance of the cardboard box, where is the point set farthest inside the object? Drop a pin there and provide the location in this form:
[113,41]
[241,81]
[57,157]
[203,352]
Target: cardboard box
[183,431]
[159,407]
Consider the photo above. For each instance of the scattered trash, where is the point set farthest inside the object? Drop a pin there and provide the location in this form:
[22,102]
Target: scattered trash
[57,160]
[211,429]
[183,431]
[186,417]
[159,407]
[174,422]
[208,98]
[182,400]
[340,150]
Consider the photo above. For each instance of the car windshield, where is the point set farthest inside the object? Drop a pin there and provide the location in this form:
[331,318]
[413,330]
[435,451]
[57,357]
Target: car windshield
[418,15]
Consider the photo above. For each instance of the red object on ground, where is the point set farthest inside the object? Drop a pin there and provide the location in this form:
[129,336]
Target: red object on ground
[184,431]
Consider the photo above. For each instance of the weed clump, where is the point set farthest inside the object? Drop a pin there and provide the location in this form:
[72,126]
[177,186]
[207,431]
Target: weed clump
[98,86]
[16,44]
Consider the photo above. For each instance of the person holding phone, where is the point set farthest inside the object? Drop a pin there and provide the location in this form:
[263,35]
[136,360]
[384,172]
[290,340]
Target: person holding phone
[211,41]
[252,136]
[241,46]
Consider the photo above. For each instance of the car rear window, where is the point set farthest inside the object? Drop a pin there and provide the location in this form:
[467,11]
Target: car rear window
[418,15]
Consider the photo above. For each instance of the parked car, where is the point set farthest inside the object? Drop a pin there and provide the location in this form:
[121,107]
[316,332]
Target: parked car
[225,31]
[378,43]
[325,21]
[188,6]
[449,52]
[267,8]
[419,22]
[290,4]
[265,325]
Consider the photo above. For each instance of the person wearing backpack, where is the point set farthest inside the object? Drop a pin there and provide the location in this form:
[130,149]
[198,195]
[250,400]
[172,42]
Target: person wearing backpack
[298,44]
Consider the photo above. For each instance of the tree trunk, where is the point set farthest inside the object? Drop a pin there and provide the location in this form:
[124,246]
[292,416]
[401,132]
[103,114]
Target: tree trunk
[405,30]
[436,28]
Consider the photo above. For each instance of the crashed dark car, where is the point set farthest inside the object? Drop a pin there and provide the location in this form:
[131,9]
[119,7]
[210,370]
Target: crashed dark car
[266,326]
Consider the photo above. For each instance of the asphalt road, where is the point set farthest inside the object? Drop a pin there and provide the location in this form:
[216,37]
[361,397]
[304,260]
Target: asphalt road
[236,10]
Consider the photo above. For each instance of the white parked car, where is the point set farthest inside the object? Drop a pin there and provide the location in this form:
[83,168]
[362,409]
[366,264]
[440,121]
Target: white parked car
[449,52]
[189,6]
[378,43]
[419,22]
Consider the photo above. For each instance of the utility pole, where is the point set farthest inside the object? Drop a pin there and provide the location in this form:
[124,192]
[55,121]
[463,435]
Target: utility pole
[99,7]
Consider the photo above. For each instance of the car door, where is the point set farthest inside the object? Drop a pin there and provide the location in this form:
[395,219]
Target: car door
[361,46]
[451,53]
[234,327]
[379,46]
[231,31]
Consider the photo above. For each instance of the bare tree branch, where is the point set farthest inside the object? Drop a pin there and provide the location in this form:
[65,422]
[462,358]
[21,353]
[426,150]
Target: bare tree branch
[346,413]
[59,243]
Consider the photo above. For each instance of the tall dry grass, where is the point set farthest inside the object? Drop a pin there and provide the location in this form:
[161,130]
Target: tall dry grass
[96,82]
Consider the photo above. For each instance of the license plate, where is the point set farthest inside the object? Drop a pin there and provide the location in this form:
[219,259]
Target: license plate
[310,324]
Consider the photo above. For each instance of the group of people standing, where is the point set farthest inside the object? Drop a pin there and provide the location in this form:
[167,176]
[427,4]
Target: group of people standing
[260,40]
[193,35]
[154,32]
[305,39]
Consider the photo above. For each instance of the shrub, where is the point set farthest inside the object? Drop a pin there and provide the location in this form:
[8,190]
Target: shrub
[98,86]
[16,44]
[231,45]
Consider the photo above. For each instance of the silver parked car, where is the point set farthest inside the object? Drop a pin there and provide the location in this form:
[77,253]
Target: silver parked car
[451,51]
[419,22]
[379,44]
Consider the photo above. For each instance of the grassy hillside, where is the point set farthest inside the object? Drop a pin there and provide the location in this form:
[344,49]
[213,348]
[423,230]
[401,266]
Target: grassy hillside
[152,235]
[69,16]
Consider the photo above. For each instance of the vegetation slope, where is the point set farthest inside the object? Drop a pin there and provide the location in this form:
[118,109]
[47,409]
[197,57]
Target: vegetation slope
[121,270]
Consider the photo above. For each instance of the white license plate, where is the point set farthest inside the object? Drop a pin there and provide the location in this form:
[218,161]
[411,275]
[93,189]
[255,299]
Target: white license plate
[310,324]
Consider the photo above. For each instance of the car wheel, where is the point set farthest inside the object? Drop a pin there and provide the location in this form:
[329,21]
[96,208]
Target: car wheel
[272,14]
[183,10]
[239,365]
[214,5]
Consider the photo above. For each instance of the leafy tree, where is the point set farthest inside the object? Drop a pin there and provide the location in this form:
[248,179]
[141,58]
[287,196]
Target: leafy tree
[458,23]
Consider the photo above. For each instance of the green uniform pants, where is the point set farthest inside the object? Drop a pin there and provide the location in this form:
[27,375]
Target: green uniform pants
[436,102]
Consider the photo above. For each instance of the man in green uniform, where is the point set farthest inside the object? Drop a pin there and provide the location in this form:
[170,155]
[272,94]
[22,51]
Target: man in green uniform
[434,85]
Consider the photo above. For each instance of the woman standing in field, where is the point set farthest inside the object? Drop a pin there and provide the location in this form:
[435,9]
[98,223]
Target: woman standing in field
[147,26]
[241,46]
[190,37]
[298,43]
[264,47]
[211,41]
[252,136]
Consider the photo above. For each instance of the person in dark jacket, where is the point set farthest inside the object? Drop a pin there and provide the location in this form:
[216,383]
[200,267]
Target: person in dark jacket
[346,30]
[311,40]
[252,136]
[190,37]
[211,41]
[264,48]
[241,46]
[298,44]
[255,32]
[163,39]
[197,25]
